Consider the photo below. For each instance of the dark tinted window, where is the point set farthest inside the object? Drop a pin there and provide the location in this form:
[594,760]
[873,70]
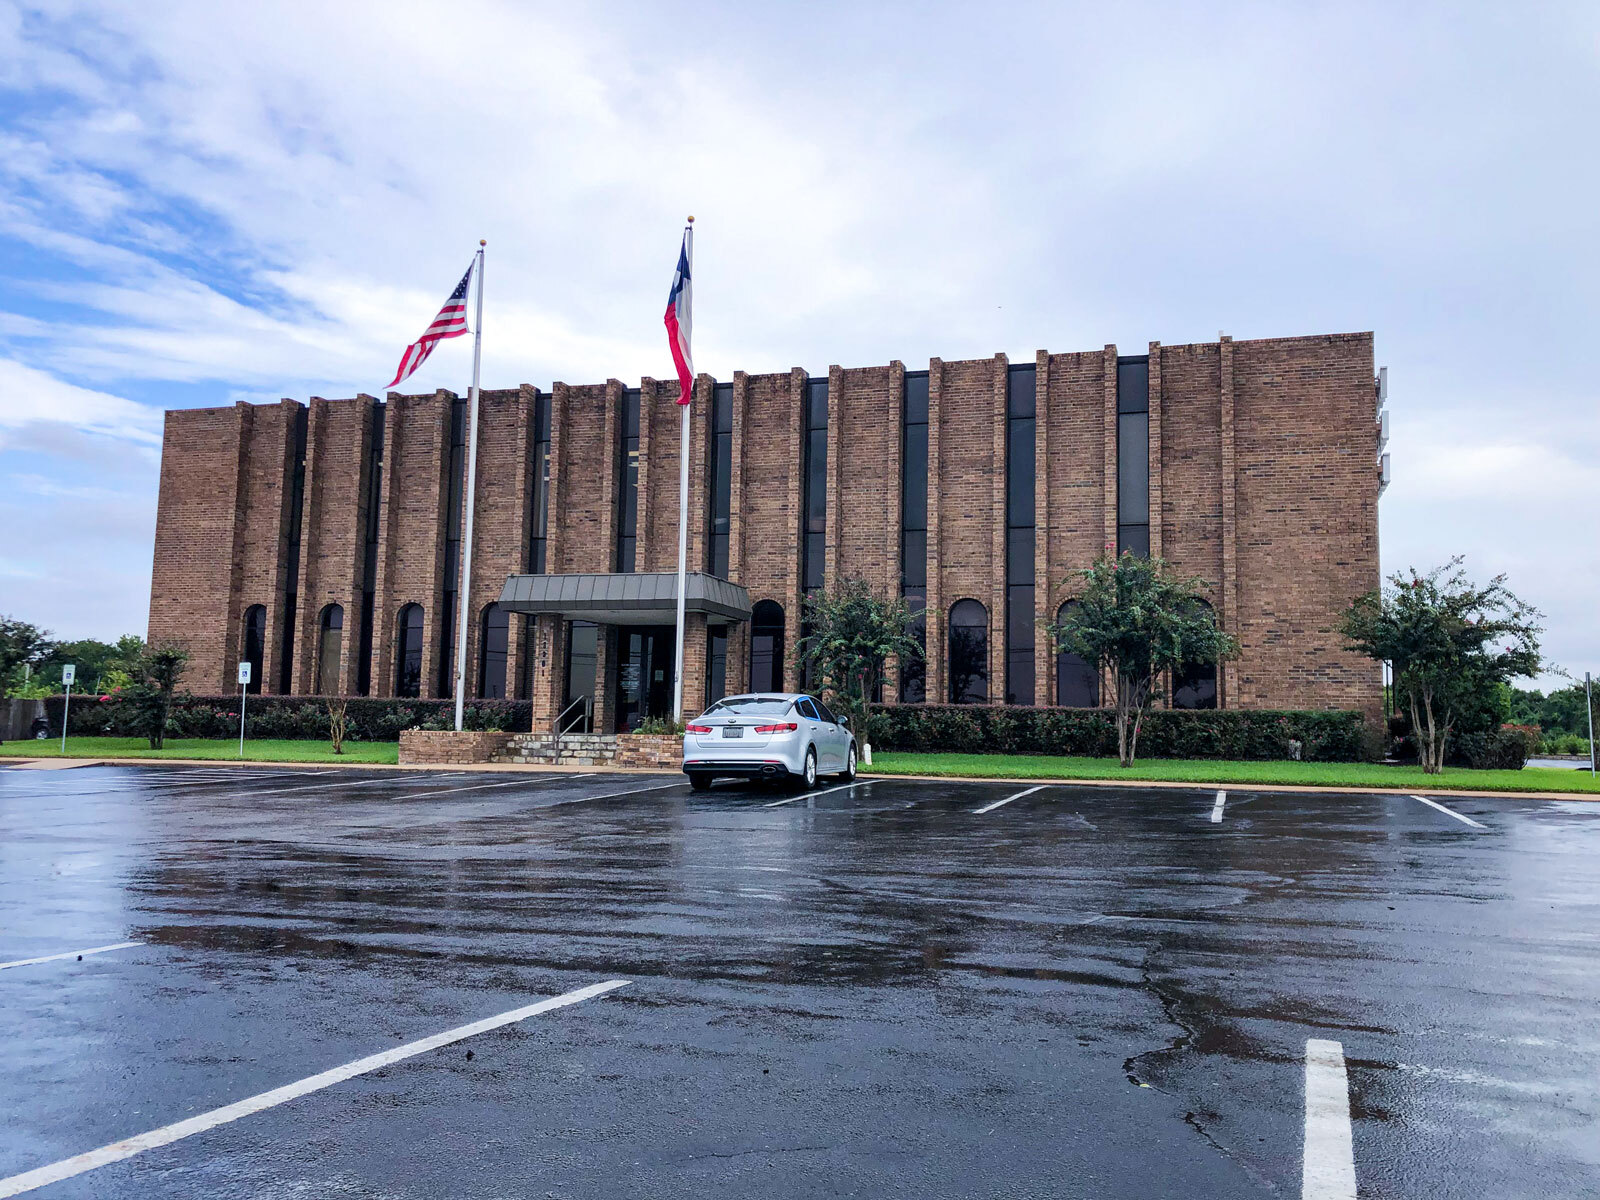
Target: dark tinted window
[1133,455]
[969,653]
[539,537]
[408,651]
[716,663]
[814,503]
[494,633]
[914,524]
[1194,685]
[369,571]
[628,483]
[255,644]
[330,644]
[766,646]
[1021,383]
[825,711]
[808,709]
[721,478]
[1077,682]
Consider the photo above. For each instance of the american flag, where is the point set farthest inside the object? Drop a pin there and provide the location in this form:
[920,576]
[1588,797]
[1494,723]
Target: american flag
[451,322]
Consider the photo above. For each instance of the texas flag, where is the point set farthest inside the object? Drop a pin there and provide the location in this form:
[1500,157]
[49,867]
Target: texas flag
[678,318]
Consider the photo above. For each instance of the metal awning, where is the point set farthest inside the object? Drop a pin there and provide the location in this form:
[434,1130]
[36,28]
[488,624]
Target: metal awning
[647,598]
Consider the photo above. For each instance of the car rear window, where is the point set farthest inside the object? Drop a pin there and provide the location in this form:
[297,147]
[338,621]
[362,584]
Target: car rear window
[750,706]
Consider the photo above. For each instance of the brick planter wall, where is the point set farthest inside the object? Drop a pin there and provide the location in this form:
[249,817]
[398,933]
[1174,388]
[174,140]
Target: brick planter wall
[418,746]
[662,750]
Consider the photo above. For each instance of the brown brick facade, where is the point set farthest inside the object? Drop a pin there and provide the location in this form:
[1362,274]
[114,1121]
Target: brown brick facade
[1263,481]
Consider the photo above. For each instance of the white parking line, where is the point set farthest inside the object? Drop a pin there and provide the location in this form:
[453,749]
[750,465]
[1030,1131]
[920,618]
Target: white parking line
[167,1134]
[1450,811]
[655,787]
[1009,799]
[28,962]
[1330,1164]
[814,795]
[1216,809]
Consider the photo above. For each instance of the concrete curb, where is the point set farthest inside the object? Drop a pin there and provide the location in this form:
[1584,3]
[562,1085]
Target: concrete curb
[1593,797]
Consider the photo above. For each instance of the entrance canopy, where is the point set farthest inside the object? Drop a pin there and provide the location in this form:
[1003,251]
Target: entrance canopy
[647,598]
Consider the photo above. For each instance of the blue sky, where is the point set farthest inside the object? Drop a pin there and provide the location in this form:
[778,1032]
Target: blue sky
[201,203]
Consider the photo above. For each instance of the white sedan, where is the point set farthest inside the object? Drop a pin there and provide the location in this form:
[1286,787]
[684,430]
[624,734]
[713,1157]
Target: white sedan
[782,735]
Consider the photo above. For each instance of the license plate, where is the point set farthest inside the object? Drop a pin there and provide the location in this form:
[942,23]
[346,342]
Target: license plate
[732,731]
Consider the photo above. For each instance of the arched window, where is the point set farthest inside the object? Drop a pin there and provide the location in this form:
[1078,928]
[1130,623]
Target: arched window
[255,644]
[408,652]
[330,639]
[1077,681]
[766,646]
[494,630]
[1194,685]
[969,653]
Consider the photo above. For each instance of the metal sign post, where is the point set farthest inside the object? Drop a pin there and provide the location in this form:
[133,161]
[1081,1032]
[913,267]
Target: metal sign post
[244,680]
[1588,697]
[68,674]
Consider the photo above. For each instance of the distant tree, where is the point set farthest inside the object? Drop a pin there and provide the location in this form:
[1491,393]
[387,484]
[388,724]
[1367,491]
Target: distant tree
[1134,619]
[853,633]
[21,646]
[1451,644]
[160,669]
[101,665]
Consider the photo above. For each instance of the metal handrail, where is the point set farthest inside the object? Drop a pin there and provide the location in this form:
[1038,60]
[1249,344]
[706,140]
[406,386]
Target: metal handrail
[581,703]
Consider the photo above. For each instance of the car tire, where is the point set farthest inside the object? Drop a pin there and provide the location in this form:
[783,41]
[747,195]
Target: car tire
[849,772]
[808,774]
[700,782]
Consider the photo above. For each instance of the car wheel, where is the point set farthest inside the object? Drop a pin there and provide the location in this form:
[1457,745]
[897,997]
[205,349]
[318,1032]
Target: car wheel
[809,779]
[700,783]
[849,772]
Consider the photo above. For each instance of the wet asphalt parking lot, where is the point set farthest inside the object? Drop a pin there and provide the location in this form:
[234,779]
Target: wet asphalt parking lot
[902,988]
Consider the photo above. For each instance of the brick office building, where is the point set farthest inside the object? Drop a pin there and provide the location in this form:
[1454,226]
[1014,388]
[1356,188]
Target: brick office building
[321,542]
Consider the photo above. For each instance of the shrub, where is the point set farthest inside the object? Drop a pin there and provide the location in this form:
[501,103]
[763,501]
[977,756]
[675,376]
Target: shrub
[658,725]
[298,718]
[1325,736]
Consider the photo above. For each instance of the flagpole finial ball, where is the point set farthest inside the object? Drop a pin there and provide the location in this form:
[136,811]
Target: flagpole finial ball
[482,242]
[691,220]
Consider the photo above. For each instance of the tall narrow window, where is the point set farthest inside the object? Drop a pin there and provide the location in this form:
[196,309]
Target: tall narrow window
[721,478]
[369,571]
[814,505]
[969,653]
[255,644]
[1194,685]
[452,547]
[716,663]
[297,496]
[1020,382]
[330,644]
[766,646]
[408,652]
[539,537]
[1133,455]
[1077,682]
[628,494]
[914,526]
[494,630]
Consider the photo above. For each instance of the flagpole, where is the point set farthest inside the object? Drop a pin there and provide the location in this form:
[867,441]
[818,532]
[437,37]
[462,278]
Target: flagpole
[464,608]
[683,513]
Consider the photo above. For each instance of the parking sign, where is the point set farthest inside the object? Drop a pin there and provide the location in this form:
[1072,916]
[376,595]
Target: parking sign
[244,672]
[69,673]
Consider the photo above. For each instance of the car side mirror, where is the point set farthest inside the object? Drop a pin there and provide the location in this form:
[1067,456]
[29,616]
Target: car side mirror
[845,721]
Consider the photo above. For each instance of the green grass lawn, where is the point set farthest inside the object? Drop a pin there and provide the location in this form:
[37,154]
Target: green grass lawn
[255,750]
[1194,770]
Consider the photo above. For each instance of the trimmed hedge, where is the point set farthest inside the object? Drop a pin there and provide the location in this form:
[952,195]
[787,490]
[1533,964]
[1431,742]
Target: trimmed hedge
[1325,736]
[302,718]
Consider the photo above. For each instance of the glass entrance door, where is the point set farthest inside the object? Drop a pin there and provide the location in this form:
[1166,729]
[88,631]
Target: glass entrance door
[644,674]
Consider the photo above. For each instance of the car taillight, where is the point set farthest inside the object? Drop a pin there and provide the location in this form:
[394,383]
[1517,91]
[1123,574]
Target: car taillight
[698,728]
[786,727]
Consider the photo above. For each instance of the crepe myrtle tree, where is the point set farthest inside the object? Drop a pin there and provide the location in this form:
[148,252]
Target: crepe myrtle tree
[1449,642]
[1134,619]
[160,668]
[853,633]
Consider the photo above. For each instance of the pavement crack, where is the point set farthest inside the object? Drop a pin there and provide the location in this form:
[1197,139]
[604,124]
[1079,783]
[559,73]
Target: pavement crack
[755,1150]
